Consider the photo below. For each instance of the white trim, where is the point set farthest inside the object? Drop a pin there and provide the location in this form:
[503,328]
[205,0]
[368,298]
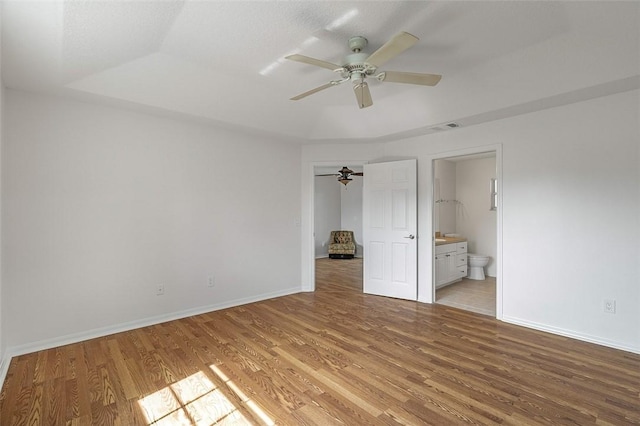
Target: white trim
[571,334]
[4,367]
[127,326]
[497,148]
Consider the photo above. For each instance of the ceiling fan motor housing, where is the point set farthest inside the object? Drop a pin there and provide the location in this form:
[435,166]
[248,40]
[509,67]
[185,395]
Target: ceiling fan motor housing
[357,43]
[355,63]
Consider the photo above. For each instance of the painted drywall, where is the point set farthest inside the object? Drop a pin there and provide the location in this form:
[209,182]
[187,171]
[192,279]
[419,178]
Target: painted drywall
[570,209]
[327,212]
[101,205]
[445,208]
[475,220]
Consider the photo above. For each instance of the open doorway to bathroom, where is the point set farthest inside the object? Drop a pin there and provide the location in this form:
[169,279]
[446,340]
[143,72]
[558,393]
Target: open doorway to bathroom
[465,225]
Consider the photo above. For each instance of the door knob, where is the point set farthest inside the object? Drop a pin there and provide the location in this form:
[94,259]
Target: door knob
[411,236]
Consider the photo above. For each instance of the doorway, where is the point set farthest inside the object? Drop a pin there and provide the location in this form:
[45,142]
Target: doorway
[337,206]
[466,221]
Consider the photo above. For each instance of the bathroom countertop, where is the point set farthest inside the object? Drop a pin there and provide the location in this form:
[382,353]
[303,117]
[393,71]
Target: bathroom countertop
[450,240]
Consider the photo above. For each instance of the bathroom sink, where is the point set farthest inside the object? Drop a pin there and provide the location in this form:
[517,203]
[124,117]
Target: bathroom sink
[439,240]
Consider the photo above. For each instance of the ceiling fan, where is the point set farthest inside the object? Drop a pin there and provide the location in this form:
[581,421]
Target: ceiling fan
[357,66]
[344,175]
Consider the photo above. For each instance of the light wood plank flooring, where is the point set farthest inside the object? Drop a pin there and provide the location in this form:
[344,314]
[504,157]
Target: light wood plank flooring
[335,356]
[472,295]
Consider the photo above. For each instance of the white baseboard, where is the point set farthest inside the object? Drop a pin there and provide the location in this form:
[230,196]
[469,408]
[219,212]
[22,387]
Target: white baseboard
[10,352]
[572,334]
[4,367]
[323,256]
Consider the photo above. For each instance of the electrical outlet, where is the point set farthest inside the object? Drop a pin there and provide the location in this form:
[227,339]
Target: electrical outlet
[610,306]
[212,281]
[160,290]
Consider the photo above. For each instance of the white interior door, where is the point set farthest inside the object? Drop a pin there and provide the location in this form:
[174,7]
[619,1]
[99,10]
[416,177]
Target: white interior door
[389,229]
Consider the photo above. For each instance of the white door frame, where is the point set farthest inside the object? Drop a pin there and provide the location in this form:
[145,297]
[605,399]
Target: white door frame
[430,225]
[309,281]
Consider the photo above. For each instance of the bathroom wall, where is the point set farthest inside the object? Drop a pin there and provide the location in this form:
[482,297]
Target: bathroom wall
[475,220]
[445,187]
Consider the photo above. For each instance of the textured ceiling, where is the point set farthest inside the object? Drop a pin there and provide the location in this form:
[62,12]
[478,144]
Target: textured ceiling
[223,61]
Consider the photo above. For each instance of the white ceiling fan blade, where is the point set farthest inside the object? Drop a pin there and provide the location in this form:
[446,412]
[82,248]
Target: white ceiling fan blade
[312,91]
[410,78]
[363,95]
[313,61]
[398,44]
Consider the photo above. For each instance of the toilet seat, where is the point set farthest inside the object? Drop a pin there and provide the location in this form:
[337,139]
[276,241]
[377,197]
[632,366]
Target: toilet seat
[476,255]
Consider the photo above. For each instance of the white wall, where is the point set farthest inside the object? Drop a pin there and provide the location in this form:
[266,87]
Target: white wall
[327,212]
[445,188]
[475,220]
[102,204]
[571,209]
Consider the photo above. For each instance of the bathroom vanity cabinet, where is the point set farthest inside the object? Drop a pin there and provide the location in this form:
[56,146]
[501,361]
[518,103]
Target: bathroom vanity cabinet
[450,263]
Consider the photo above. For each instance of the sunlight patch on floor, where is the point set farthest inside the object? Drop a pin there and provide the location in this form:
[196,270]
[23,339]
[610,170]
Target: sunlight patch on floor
[192,401]
[248,402]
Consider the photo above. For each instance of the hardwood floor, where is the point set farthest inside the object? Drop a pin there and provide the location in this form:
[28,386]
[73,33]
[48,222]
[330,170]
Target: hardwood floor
[472,295]
[335,356]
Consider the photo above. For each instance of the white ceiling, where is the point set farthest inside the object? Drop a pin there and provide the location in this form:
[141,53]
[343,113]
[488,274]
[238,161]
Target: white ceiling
[222,61]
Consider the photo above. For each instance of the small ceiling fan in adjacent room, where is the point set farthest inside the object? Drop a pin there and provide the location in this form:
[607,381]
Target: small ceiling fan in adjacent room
[344,175]
[358,65]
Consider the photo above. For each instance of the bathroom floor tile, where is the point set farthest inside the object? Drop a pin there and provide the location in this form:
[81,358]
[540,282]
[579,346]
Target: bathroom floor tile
[472,295]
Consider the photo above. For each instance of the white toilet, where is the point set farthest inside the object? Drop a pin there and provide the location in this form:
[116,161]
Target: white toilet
[477,262]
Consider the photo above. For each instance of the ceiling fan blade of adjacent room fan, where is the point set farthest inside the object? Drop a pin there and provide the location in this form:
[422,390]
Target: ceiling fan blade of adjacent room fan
[357,174]
[312,91]
[331,174]
[398,44]
[363,95]
[411,78]
[313,61]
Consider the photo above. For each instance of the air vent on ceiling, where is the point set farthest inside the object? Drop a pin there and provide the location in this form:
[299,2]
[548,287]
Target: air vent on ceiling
[447,126]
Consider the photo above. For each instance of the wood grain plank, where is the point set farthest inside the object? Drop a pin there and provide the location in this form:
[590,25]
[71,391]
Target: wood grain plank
[129,386]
